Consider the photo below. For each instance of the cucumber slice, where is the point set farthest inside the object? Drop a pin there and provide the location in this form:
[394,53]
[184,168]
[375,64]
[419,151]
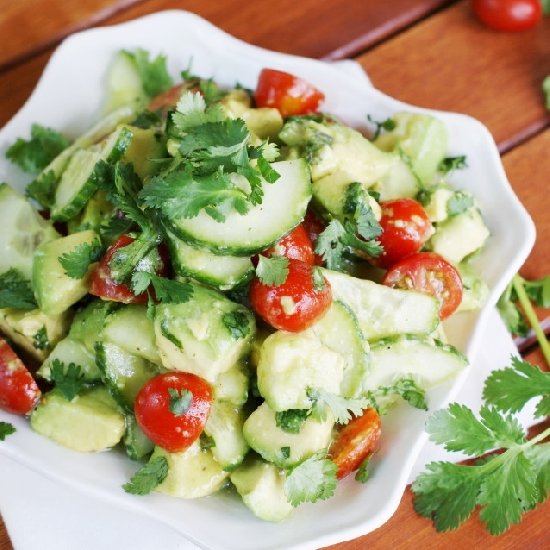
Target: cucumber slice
[429,362]
[339,331]
[23,231]
[55,291]
[223,272]
[283,208]
[88,322]
[382,311]
[82,175]
[136,443]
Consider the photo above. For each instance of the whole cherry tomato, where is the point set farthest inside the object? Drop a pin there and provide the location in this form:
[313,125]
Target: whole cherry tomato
[405,228]
[314,226]
[19,392]
[508,15]
[172,409]
[430,273]
[288,93]
[296,245]
[356,441]
[297,303]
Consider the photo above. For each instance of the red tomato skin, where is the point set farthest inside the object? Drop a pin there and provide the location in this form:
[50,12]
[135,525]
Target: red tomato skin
[288,93]
[430,273]
[508,15]
[296,245]
[167,430]
[19,392]
[309,303]
[167,99]
[314,226]
[405,228]
[356,441]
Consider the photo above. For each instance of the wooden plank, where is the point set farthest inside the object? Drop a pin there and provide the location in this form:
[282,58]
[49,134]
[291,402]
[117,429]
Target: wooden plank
[453,62]
[5,543]
[42,23]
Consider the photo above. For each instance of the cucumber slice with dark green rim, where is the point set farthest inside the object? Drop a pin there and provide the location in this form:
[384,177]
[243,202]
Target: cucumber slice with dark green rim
[81,178]
[136,443]
[427,361]
[283,208]
[224,272]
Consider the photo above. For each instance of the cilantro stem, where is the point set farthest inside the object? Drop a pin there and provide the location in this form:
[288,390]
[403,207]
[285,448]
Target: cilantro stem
[529,312]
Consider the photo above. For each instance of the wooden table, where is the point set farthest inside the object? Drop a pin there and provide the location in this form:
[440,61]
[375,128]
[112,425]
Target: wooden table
[431,53]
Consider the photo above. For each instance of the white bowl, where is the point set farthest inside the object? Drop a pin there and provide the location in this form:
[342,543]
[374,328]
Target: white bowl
[69,98]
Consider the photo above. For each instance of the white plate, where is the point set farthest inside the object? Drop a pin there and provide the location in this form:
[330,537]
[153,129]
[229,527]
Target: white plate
[69,97]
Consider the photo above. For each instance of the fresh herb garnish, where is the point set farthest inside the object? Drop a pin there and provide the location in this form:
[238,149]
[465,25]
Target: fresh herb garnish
[167,291]
[36,153]
[40,339]
[6,429]
[148,477]
[68,379]
[180,401]
[16,291]
[206,442]
[342,408]
[388,125]
[319,282]
[362,474]
[153,73]
[285,452]
[291,420]
[449,164]
[272,271]
[237,323]
[76,262]
[406,388]
[312,480]
[42,189]
[459,203]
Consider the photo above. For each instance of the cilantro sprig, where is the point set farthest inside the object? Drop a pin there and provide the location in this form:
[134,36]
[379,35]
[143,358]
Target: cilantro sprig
[76,262]
[153,73]
[68,379]
[148,477]
[503,485]
[180,401]
[6,429]
[272,271]
[16,291]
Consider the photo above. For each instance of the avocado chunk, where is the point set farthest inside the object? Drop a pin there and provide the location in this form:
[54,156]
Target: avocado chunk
[192,473]
[281,447]
[201,336]
[232,385]
[261,486]
[290,363]
[90,422]
[55,290]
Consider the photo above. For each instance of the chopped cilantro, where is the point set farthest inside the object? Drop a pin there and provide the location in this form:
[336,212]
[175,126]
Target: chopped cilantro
[319,282]
[76,262]
[285,452]
[237,323]
[154,75]
[388,125]
[459,203]
[68,379]
[146,119]
[206,442]
[292,420]
[342,408]
[36,153]
[16,291]
[148,477]
[272,271]
[167,291]
[40,339]
[449,164]
[406,388]
[6,429]
[180,401]
[42,189]
[362,474]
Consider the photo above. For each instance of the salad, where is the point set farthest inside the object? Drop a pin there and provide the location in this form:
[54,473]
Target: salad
[232,287]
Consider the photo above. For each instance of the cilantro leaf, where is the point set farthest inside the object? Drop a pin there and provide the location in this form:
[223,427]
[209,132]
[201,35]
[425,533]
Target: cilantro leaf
[272,271]
[42,189]
[191,111]
[362,474]
[171,292]
[180,401]
[36,153]
[68,379]
[292,420]
[511,388]
[319,281]
[404,387]
[538,291]
[148,477]
[6,429]
[388,125]
[40,339]
[312,480]
[449,164]
[459,203]
[330,245]
[206,441]
[16,291]
[237,323]
[153,73]
[342,408]
[76,262]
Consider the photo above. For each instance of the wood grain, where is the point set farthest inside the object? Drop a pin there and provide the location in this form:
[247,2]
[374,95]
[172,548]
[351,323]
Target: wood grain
[5,543]
[452,62]
[42,23]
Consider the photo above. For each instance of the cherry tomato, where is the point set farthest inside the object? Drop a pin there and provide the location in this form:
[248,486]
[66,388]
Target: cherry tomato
[430,273]
[296,245]
[355,442]
[167,99]
[314,226]
[297,303]
[508,15]
[405,229]
[19,392]
[157,413]
[286,92]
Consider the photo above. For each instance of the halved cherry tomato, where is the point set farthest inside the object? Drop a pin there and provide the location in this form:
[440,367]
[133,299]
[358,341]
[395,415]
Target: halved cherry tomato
[158,415]
[167,99]
[430,273]
[405,228]
[288,93]
[103,284]
[355,442]
[314,226]
[508,15]
[297,303]
[19,392]
[296,245]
